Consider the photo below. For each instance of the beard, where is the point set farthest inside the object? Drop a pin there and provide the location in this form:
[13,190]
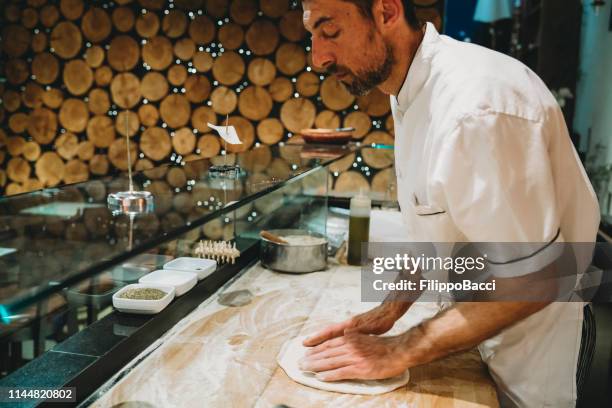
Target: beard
[364,81]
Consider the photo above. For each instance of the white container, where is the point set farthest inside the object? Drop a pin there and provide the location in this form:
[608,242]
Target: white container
[140,306]
[181,281]
[203,267]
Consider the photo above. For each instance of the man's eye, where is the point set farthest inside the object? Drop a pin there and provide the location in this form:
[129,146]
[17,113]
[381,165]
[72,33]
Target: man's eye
[331,36]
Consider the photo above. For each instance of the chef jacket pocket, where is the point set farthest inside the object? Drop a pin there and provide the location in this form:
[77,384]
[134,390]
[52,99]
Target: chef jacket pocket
[434,223]
[428,210]
[423,209]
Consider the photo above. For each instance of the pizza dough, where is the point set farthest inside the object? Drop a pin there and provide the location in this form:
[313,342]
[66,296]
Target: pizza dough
[293,351]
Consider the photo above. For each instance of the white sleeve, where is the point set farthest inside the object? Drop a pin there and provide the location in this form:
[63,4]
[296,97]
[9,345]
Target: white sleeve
[496,176]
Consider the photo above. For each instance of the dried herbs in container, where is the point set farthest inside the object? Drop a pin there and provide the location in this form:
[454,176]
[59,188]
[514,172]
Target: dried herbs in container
[143,294]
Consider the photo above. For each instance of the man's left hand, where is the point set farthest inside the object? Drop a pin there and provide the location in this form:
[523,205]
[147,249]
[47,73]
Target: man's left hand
[357,356]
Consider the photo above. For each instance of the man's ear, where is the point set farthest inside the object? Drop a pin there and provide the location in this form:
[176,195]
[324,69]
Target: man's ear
[390,11]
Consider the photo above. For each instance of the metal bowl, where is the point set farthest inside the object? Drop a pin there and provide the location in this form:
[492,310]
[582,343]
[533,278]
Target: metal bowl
[294,258]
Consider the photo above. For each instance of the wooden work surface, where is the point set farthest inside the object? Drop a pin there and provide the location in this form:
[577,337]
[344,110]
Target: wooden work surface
[226,356]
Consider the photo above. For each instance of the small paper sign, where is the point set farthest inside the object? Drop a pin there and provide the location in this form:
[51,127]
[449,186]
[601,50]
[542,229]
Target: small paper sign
[227,133]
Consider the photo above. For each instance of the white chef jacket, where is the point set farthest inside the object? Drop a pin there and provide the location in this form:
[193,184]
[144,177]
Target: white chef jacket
[483,154]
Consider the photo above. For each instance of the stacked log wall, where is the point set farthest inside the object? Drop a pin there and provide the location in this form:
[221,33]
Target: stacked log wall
[81,75]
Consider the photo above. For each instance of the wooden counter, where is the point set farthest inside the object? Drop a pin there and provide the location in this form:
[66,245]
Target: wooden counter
[226,356]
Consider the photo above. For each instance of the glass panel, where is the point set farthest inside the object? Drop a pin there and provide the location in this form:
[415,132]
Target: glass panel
[55,238]
[370,171]
[301,204]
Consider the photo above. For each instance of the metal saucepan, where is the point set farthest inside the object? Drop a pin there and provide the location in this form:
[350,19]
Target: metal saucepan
[293,258]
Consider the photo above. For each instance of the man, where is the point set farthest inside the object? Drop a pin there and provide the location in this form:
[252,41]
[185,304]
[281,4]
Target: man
[482,155]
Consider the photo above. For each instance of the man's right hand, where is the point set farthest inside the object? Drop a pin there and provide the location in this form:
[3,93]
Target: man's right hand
[376,321]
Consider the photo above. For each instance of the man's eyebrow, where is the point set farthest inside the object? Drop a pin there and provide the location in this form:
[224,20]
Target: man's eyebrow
[321,21]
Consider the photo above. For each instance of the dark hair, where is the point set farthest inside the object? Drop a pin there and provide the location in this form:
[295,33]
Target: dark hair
[365,6]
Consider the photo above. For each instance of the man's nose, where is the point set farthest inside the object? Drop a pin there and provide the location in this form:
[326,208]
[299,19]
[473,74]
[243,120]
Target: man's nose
[321,55]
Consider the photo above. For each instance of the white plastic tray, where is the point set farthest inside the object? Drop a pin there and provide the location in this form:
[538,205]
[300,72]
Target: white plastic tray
[142,306]
[203,267]
[181,281]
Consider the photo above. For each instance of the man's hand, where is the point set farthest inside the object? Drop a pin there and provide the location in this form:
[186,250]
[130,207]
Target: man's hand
[357,356]
[377,321]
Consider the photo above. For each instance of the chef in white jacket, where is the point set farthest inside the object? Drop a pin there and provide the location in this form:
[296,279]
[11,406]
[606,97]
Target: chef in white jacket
[482,154]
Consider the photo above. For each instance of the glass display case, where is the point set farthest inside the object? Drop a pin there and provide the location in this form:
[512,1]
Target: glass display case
[64,251]
[53,238]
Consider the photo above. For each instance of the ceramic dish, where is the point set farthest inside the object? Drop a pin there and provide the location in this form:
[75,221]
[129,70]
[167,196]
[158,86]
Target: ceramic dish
[140,306]
[180,280]
[201,267]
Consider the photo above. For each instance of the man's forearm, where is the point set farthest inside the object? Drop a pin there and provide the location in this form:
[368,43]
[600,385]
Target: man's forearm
[396,301]
[467,324]
[462,327]
[396,308]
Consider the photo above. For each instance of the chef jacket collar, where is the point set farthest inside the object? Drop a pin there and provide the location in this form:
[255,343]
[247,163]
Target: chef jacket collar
[419,69]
